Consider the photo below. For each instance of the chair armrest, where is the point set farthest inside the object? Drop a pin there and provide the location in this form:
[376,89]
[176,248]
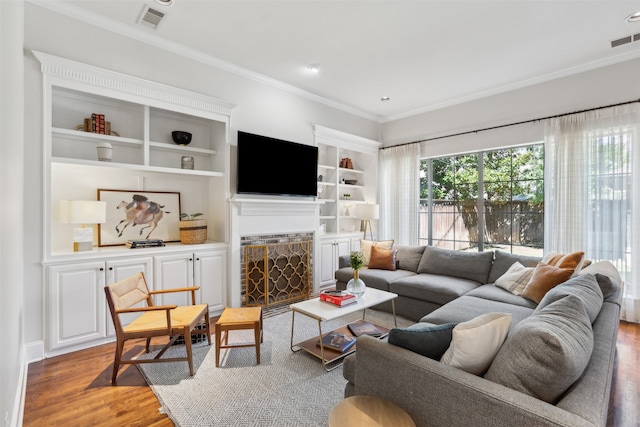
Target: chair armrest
[143,309]
[191,289]
[167,291]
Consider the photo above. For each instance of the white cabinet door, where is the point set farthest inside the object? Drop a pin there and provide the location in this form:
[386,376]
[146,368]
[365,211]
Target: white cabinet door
[330,251]
[120,269]
[76,304]
[173,271]
[210,273]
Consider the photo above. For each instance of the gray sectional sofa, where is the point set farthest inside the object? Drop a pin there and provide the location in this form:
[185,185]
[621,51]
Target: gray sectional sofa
[438,287]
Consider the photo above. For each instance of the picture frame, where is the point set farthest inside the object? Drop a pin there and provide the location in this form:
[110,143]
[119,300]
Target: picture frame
[139,215]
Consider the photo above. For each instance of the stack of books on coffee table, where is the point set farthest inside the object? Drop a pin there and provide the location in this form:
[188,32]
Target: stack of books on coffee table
[339,298]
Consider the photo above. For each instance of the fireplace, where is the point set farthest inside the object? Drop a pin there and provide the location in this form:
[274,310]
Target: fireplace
[277,272]
[273,246]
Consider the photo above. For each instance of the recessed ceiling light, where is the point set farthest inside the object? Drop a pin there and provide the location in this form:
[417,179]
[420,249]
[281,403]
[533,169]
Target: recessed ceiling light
[315,68]
[385,99]
[165,2]
[634,17]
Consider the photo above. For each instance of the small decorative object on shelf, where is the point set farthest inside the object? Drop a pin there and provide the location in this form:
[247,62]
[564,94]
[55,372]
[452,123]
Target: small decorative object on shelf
[346,196]
[104,151]
[181,137]
[187,162]
[356,286]
[192,231]
[346,163]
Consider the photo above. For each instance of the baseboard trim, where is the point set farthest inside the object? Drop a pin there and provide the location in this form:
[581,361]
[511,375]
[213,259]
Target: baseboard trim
[34,351]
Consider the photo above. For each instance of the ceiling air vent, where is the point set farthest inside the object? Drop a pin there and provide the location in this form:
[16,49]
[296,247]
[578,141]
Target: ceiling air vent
[625,40]
[150,17]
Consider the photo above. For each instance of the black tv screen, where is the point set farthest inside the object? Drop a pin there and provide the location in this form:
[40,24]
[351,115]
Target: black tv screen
[273,166]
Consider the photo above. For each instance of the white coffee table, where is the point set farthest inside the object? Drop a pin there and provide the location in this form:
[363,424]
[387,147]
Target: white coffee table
[322,312]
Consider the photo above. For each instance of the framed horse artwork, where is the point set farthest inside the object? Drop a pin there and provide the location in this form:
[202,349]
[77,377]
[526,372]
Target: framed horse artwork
[139,215]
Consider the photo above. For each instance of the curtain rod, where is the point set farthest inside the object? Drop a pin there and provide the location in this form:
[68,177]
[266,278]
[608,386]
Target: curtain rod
[512,124]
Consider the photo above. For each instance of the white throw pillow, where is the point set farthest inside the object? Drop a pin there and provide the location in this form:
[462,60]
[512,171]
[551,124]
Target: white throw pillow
[476,342]
[365,248]
[515,279]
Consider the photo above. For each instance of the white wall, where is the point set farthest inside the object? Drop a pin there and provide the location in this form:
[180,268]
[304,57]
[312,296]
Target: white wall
[12,372]
[260,109]
[604,86]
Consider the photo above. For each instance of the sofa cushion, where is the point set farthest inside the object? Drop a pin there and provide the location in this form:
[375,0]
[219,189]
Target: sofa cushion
[543,279]
[432,287]
[382,259]
[503,260]
[584,287]
[409,257]
[563,330]
[515,279]
[365,248]
[476,342]
[467,307]
[465,265]
[378,279]
[428,340]
[494,293]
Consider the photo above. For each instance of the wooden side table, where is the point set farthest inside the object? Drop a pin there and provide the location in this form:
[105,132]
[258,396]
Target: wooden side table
[237,319]
[368,411]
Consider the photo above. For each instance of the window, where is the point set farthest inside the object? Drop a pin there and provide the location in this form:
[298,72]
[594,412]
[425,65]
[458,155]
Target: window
[484,201]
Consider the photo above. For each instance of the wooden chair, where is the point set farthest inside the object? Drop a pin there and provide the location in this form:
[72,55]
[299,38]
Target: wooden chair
[171,321]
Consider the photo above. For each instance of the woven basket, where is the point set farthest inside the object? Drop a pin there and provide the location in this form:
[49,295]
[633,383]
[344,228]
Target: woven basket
[193,231]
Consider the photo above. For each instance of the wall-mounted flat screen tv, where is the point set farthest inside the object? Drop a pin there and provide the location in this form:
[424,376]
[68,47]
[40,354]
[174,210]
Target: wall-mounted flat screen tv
[273,166]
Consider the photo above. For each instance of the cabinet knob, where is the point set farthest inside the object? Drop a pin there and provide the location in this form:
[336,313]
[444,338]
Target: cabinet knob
[110,268]
[197,259]
[101,269]
[190,259]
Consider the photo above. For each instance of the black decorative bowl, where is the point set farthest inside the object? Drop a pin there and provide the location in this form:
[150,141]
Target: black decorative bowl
[181,137]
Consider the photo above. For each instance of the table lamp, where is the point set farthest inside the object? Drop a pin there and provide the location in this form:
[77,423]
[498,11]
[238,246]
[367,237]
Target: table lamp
[367,212]
[83,212]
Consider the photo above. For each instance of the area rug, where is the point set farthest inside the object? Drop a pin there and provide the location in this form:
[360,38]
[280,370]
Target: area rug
[286,389]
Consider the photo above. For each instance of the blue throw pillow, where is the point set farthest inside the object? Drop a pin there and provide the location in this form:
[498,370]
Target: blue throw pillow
[424,338]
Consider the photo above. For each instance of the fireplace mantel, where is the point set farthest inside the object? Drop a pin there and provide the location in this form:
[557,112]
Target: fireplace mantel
[272,207]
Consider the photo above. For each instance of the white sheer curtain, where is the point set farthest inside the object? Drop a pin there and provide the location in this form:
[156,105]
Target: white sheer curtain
[399,193]
[592,183]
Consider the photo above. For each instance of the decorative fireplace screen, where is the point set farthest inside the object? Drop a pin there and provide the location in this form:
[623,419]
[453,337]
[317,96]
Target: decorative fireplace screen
[277,272]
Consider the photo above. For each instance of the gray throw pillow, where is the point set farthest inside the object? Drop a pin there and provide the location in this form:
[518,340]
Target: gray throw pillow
[584,287]
[546,352]
[465,265]
[423,338]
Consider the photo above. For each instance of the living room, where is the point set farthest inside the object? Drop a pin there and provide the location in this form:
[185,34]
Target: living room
[260,108]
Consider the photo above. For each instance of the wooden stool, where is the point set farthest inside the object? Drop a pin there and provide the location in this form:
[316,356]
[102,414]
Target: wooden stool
[356,411]
[236,319]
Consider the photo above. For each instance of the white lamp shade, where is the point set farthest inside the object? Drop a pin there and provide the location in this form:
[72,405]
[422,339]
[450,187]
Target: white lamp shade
[369,211]
[83,212]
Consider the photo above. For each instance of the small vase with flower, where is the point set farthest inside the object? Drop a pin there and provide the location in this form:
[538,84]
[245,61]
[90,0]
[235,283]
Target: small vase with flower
[356,286]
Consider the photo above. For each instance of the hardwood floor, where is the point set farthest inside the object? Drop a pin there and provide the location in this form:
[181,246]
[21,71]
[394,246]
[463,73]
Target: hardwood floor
[74,389]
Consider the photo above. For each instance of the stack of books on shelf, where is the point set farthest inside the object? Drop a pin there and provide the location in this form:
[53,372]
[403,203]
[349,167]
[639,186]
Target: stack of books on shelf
[337,341]
[151,243]
[97,124]
[339,298]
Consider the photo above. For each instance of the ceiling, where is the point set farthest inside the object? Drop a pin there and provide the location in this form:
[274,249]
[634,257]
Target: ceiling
[423,55]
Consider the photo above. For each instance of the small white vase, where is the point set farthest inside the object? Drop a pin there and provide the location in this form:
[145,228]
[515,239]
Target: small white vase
[104,151]
[356,286]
